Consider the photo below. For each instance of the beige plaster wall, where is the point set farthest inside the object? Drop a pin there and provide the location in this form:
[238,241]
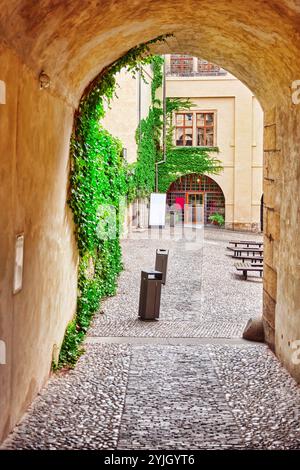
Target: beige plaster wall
[35,131]
[125,110]
[239,136]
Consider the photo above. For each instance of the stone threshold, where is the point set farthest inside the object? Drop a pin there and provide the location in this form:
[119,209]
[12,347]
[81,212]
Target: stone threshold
[168,341]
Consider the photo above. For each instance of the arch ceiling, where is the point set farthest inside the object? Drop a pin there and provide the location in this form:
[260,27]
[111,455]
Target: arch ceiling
[72,40]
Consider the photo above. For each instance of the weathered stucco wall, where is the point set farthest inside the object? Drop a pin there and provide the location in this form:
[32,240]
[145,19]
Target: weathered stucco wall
[238,134]
[239,126]
[131,103]
[35,131]
[285,166]
[72,41]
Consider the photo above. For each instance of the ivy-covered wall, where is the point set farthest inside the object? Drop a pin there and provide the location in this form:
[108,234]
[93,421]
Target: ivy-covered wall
[99,178]
[179,160]
[148,137]
[186,160]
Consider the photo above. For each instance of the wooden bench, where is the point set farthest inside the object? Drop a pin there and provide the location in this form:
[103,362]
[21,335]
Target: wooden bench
[247,243]
[246,267]
[253,259]
[237,251]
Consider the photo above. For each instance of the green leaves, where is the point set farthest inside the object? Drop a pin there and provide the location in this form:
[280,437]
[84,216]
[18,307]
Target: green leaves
[217,218]
[148,137]
[157,80]
[100,177]
[185,160]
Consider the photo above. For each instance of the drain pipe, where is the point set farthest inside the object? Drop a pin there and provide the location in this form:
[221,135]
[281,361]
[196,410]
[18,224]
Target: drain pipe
[140,134]
[164,128]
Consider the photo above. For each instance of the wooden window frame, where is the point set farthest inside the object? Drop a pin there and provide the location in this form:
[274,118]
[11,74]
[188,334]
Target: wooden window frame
[205,127]
[195,127]
[184,127]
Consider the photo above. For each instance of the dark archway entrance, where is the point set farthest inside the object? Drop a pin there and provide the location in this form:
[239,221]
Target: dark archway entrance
[197,190]
[262,213]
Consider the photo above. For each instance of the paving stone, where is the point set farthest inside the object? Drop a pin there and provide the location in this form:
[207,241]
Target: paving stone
[80,409]
[209,397]
[173,399]
[179,396]
[203,296]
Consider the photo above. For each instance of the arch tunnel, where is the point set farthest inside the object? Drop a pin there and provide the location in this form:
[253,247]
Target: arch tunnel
[72,41]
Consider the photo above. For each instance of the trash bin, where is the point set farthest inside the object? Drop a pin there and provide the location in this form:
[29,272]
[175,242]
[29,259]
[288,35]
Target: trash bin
[172,218]
[150,292]
[161,263]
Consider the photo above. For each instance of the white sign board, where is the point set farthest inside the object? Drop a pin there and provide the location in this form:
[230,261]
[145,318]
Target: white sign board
[157,216]
[18,271]
[2,92]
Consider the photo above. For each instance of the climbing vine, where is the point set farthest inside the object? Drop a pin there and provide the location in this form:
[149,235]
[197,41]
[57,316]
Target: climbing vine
[99,178]
[157,79]
[186,160]
[148,136]
[179,160]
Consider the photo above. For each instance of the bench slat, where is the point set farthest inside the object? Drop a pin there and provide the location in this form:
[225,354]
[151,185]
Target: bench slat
[257,259]
[246,267]
[245,242]
[240,249]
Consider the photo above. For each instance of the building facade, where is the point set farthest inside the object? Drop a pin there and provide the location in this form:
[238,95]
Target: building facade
[225,115]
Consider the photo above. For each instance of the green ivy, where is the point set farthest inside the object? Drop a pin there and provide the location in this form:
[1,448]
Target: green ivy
[148,136]
[99,176]
[157,79]
[186,160]
[179,160]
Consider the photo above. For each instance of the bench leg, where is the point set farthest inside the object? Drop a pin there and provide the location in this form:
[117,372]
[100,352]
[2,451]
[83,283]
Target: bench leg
[245,274]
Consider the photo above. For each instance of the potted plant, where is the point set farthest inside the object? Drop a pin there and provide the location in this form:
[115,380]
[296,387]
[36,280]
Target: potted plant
[217,219]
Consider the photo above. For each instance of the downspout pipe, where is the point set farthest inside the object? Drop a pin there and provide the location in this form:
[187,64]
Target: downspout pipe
[140,131]
[164,128]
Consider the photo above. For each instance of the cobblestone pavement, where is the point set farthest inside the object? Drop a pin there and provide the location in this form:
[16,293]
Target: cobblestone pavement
[81,408]
[215,397]
[203,295]
[185,382]
[166,397]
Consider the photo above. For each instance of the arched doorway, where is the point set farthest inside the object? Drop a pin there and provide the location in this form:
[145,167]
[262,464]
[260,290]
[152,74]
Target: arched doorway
[197,190]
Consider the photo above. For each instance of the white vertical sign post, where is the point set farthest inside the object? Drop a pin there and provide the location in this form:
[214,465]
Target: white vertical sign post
[18,270]
[157,215]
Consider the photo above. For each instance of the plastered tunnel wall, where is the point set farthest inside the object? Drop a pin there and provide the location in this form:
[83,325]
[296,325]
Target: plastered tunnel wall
[72,41]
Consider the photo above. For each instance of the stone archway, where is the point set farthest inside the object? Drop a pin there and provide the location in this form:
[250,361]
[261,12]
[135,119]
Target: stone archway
[72,42]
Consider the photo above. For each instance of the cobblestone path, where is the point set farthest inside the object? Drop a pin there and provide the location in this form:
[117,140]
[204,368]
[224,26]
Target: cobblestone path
[204,297]
[185,382]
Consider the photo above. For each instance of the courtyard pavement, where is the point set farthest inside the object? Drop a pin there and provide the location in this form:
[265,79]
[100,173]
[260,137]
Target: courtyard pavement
[187,381]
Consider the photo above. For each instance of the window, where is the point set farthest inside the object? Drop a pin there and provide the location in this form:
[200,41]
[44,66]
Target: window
[205,129]
[184,129]
[195,129]
[207,68]
[181,65]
